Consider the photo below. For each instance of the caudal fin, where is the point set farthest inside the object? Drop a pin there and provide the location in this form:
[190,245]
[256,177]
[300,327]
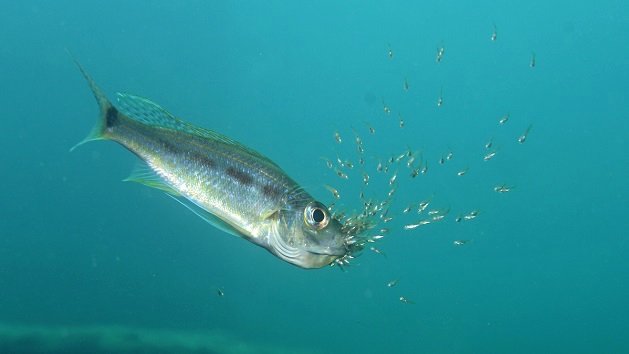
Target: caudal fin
[108,113]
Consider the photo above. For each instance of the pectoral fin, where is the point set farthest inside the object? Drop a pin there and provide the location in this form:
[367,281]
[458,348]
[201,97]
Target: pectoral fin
[271,214]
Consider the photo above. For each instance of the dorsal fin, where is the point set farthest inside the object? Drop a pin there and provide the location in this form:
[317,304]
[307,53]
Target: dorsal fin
[148,112]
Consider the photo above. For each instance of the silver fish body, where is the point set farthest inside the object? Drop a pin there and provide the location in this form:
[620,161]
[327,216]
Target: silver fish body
[231,186]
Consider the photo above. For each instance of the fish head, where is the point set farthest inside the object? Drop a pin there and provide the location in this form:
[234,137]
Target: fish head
[308,236]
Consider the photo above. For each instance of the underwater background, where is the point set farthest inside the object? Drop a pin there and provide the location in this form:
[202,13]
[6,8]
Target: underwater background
[91,264]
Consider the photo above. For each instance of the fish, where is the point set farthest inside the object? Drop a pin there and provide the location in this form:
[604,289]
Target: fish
[460,242]
[385,108]
[440,52]
[490,155]
[424,168]
[411,159]
[371,129]
[494,34]
[360,148]
[392,283]
[404,300]
[220,292]
[438,214]
[532,62]
[399,157]
[418,224]
[333,190]
[423,205]
[365,178]
[379,167]
[393,178]
[522,138]
[229,185]
[378,251]
[392,191]
[341,174]
[471,215]
[503,188]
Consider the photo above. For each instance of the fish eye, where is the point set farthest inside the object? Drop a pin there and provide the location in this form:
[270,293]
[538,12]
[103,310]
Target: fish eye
[316,215]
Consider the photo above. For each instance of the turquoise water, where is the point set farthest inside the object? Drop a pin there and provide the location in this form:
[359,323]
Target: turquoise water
[546,266]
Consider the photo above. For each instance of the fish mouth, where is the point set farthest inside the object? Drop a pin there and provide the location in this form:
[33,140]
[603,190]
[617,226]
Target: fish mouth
[355,231]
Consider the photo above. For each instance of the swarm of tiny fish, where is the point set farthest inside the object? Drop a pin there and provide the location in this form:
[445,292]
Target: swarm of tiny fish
[359,227]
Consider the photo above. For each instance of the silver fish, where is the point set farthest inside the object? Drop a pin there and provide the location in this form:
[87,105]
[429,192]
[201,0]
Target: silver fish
[333,190]
[503,188]
[440,51]
[418,224]
[385,108]
[471,215]
[522,138]
[378,251]
[489,143]
[231,186]
[404,300]
[490,155]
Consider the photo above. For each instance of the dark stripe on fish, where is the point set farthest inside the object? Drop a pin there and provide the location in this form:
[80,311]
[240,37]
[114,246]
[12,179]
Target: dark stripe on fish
[168,147]
[203,159]
[240,176]
[271,191]
[171,149]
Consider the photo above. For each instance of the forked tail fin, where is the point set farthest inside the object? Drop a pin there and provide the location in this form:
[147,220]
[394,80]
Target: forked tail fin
[108,113]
